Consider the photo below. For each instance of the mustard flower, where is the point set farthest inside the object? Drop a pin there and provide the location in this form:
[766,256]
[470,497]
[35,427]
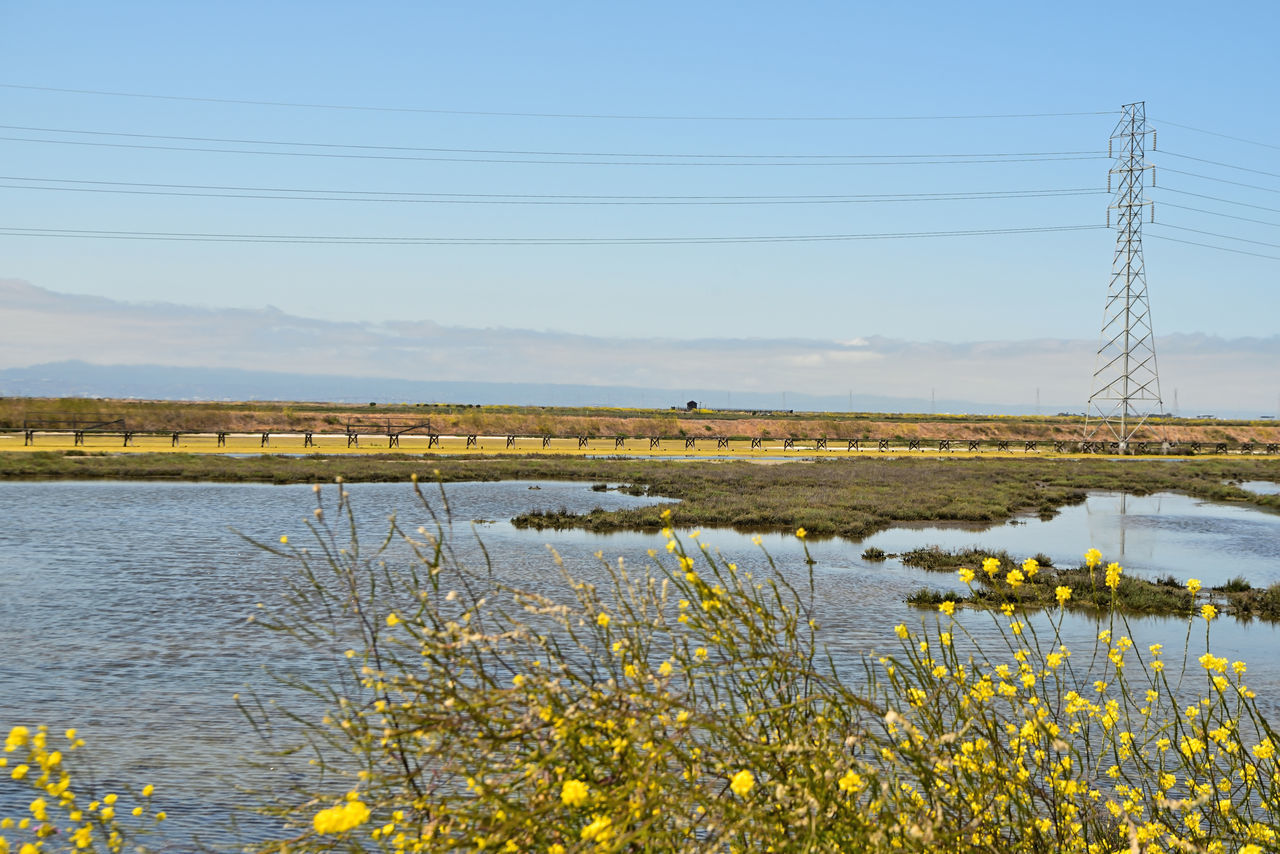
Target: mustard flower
[1031,566]
[1193,586]
[1093,558]
[338,819]
[600,830]
[574,793]
[17,737]
[602,619]
[1113,574]
[1212,662]
[284,541]
[1063,594]
[742,782]
[966,575]
[1208,612]
[850,782]
[392,619]
[948,608]
[1015,578]
[991,566]
[801,533]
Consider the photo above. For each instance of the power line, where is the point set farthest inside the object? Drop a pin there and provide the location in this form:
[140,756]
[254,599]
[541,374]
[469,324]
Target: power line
[1216,213]
[1222,236]
[1169,153]
[497,113]
[512,241]
[333,155]
[1217,134]
[301,194]
[1219,248]
[1217,199]
[1219,180]
[677,155]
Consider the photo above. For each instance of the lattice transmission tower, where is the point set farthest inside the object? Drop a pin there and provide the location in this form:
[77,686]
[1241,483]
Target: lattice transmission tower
[1126,384]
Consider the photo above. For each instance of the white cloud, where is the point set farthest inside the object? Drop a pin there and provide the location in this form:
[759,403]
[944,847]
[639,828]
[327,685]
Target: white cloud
[38,326]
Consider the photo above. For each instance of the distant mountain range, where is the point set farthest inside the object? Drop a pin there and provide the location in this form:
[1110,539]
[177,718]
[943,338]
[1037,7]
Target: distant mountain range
[156,382]
[58,344]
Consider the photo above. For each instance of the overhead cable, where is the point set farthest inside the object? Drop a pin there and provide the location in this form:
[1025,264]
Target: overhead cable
[437,150]
[512,241]
[432,158]
[300,194]
[497,113]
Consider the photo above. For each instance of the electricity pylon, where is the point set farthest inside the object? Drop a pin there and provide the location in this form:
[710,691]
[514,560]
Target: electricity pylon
[1126,384]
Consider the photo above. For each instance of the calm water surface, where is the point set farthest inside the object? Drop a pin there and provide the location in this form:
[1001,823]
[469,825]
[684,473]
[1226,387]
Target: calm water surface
[124,606]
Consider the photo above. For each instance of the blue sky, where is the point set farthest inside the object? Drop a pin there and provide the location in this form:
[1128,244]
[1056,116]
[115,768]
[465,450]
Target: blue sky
[1209,68]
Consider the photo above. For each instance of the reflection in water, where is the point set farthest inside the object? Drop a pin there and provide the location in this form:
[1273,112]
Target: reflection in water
[124,606]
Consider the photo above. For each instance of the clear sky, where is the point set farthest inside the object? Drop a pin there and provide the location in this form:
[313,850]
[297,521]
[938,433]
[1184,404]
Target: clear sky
[467,167]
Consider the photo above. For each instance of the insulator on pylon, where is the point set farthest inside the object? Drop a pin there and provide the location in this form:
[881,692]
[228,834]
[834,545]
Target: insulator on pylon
[1108,217]
[1109,154]
[1153,213]
[1108,182]
[1153,176]
[1153,140]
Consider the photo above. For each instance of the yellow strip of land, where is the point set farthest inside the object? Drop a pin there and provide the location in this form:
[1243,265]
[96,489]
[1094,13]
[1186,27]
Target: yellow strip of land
[331,444]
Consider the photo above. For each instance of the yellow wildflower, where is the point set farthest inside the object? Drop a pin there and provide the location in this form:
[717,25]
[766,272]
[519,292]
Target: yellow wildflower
[850,782]
[1208,612]
[801,533]
[602,619]
[574,793]
[600,830]
[948,607]
[1093,558]
[742,782]
[1193,585]
[1113,575]
[1063,594]
[338,819]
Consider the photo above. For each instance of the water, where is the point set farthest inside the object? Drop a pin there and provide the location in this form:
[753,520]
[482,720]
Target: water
[124,607]
[1261,487]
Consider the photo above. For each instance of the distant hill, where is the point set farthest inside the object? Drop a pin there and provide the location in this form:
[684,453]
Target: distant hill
[155,382]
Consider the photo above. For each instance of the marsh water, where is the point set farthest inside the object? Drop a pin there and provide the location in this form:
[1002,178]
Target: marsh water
[125,606]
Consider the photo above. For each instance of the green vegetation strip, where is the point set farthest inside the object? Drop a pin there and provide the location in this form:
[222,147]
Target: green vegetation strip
[847,498]
[1164,596]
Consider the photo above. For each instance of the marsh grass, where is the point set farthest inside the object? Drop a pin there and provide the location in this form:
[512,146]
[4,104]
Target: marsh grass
[851,498]
[1163,596]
